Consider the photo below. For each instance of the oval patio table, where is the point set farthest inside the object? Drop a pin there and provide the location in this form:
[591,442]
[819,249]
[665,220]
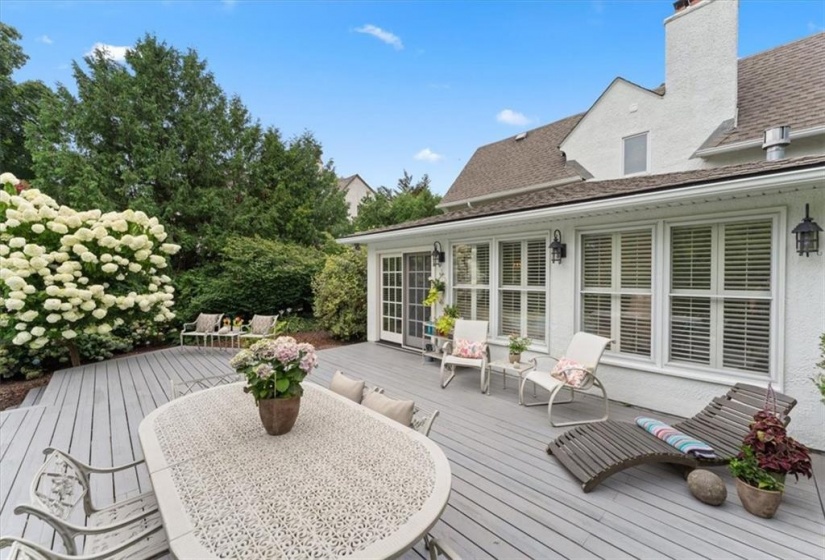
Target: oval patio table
[345,482]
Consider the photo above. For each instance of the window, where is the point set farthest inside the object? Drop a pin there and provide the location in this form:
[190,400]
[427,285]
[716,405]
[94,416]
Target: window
[616,289]
[721,295]
[635,154]
[523,288]
[471,280]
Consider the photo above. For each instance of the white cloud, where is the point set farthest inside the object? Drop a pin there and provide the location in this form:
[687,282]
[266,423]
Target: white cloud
[508,116]
[118,54]
[428,155]
[382,35]
[45,39]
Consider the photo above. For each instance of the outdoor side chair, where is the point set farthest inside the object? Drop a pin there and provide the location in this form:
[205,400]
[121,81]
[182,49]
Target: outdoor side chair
[130,528]
[202,327]
[465,331]
[181,388]
[594,452]
[261,326]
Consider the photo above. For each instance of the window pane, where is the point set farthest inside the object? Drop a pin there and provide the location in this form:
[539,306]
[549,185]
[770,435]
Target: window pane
[748,256]
[463,300]
[598,254]
[747,335]
[536,315]
[634,326]
[690,330]
[511,263]
[691,254]
[635,154]
[510,313]
[536,262]
[596,314]
[636,259]
[482,305]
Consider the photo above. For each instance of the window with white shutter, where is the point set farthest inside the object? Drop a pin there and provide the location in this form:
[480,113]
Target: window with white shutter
[523,288]
[471,280]
[616,288]
[721,294]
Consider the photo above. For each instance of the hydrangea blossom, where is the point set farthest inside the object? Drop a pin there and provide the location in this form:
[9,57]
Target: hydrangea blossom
[275,368]
[64,272]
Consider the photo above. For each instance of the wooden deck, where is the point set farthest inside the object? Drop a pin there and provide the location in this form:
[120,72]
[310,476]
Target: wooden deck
[509,499]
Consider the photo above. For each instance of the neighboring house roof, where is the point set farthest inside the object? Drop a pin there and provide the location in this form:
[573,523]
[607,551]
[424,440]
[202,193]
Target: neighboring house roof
[344,182]
[782,86]
[612,188]
[511,164]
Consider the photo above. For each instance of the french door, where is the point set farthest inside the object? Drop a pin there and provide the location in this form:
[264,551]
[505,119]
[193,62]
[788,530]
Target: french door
[392,298]
[417,271]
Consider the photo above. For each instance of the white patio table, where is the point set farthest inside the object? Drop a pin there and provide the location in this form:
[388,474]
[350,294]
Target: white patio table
[346,481]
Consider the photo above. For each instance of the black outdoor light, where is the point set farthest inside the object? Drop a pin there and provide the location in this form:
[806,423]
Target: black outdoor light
[558,250]
[807,235]
[438,254]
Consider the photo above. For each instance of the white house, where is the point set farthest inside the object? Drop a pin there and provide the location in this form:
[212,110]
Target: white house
[677,227]
[356,190]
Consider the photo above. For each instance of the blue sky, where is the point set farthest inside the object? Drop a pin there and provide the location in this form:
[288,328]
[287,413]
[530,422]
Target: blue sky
[388,86]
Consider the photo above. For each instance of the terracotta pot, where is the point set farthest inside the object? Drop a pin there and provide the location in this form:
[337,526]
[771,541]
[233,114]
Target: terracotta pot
[761,503]
[279,415]
[515,358]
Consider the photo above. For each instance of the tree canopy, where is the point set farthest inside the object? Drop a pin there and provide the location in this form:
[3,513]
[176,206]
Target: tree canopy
[409,201]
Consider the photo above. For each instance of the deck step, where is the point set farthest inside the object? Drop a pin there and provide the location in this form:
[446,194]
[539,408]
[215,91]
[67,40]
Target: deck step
[33,397]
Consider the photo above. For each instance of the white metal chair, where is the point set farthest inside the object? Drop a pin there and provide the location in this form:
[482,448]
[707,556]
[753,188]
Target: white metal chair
[472,331]
[587,350]
[202,327]
[181,388]
[261,326]
[438,547]
[131,528]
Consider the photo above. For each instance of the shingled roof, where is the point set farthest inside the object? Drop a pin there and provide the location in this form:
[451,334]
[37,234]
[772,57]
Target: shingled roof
[586,191]
[785,85]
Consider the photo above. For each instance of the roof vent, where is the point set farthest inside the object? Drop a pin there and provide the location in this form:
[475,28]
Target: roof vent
[775,141]
[521,136]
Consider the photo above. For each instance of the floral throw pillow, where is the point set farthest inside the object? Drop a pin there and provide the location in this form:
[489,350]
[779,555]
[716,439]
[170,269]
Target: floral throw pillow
[569,371]
[463,348]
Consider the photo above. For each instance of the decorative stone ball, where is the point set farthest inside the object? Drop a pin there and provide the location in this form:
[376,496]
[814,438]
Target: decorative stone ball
[707,487]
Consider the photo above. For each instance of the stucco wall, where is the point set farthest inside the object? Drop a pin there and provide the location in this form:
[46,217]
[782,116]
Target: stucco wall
[664,389]
[701,80]
[356,191]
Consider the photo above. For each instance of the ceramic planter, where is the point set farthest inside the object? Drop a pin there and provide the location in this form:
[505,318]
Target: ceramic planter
[515,358]
[761,503]
[279,415]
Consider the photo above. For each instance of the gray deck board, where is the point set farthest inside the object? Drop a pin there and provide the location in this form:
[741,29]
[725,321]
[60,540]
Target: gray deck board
[509,498]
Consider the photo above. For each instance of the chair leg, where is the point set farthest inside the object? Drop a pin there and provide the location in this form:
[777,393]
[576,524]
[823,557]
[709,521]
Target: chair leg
[596,383]
[445,380]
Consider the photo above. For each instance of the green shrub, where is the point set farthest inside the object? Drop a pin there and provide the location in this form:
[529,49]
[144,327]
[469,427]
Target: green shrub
[254,276]
[341,295]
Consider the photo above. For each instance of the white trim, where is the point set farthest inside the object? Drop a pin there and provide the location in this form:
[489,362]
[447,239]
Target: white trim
[748,144]
[389,336]
[726,189]
[501,194]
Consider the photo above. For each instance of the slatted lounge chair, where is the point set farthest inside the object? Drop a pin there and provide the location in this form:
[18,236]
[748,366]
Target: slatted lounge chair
[596,451]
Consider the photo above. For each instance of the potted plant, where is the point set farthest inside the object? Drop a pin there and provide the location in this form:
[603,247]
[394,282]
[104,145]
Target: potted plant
[436,293]
[768,455]
[237,323]
[446,322]
[274,370]
[518,345]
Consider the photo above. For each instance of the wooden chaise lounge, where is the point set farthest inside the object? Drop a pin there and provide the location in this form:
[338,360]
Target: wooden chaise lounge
[595,451]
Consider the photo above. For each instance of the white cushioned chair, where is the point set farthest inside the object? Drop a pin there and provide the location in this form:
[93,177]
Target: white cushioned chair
[261,326]
[474,333]
[577,373]
[204,326]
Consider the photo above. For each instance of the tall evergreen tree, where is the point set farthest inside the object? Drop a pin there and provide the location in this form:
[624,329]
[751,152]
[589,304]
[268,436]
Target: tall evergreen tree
[410,200]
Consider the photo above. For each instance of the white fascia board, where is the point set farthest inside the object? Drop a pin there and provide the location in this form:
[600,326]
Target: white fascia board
[799,177]
[469,201]
[748,144]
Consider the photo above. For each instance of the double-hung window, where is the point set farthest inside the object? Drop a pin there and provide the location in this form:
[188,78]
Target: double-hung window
[471,280]
[522,288]
[616,289]
[721,294]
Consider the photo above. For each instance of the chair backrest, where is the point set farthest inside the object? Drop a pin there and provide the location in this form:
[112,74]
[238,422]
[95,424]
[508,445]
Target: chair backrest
[262,324]
[59,485]
[422,421]
[587,349]
[181,388]
[208,322]
[475,331]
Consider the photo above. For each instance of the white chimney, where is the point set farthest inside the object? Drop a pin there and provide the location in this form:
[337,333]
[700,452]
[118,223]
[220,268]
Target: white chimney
[701,59]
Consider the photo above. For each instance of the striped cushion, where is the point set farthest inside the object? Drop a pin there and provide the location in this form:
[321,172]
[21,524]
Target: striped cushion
[682,442]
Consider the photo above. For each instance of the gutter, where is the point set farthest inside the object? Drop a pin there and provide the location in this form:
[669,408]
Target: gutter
[469,201]
[747,144]
[674,194]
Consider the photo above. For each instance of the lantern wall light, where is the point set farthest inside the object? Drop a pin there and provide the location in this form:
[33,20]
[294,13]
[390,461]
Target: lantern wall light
[438,254]
[558,250]
[807,235]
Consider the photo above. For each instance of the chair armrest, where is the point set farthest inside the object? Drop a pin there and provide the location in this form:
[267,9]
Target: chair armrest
[447,347]
[89,468]
[62,525]
[47,553]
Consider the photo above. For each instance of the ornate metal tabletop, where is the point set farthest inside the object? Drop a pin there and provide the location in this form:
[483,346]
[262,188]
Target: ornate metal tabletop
[344,482]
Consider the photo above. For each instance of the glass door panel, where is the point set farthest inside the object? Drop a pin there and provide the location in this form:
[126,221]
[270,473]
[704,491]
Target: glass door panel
[392,302]
[417,273]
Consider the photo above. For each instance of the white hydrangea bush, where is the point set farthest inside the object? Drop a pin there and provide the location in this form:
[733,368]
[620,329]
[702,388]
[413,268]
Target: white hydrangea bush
[64,272]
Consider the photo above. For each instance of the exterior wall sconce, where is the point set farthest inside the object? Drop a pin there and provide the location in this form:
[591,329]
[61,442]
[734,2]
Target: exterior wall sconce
[807,235]
[438,254]
[558,250]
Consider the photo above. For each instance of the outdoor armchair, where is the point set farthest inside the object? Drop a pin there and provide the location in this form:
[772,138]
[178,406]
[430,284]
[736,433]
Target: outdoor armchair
[181,388]
[261,326]
[468,348]
[61,483]
[575,371]
[202,327]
